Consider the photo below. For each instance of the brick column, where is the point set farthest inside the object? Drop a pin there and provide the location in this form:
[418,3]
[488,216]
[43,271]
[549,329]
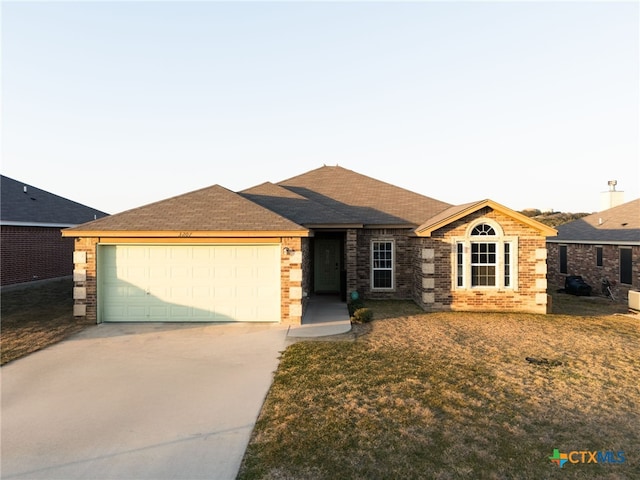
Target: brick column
[351,248]
[291,276]
[85,285]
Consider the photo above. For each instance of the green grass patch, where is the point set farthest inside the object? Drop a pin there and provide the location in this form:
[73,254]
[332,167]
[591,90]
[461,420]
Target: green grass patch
[34,317]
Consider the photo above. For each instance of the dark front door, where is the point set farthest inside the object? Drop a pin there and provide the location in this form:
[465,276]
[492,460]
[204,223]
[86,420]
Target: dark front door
[327,265]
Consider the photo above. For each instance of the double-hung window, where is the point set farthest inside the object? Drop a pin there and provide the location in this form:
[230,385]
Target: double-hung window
[382,264]
[485,258]
[484,264]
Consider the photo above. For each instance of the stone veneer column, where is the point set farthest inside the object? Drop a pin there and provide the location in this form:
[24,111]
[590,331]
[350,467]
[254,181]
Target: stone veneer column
[85,294]
[541,279]
[295,288]
[428,280]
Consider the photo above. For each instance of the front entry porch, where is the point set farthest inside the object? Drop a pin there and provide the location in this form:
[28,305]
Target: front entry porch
[324,315]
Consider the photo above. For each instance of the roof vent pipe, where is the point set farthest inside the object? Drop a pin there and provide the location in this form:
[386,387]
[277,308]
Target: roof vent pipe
[24,189]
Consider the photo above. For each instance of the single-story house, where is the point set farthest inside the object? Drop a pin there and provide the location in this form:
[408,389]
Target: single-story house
[601,245]
[31,247]
[258,254]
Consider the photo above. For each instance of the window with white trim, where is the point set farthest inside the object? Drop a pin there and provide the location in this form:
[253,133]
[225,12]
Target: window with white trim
[382,264]
[485,258]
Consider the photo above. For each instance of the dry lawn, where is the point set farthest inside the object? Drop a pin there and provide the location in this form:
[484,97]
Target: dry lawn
[35,317]
[450,395]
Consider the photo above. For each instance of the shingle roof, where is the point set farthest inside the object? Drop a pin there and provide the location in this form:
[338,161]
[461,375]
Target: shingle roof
[619,224]
[327,196]
[289,204]
[362,199]
[213,208]
[33,206]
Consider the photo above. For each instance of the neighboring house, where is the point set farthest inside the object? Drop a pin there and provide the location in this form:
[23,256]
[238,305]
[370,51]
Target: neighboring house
[602,245]
[256,255]
[31,246]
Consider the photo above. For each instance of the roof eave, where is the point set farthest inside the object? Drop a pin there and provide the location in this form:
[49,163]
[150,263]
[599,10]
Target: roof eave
[11,223]
[426,229]
[399,226]
[595,242]
[184,234]
[333,225]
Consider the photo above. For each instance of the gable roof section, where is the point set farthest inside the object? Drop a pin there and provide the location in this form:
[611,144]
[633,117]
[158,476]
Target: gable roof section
[617,225]
[210,212]
[26,205]
[363,200]
[297,208]
[460,211]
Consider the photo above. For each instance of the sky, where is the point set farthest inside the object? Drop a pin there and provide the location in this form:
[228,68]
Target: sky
[120,104]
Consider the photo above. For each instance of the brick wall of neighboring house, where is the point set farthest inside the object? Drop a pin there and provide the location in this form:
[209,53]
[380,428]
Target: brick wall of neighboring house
[291,279]
[581,260]
[403,263]
[435,268]
[33,253]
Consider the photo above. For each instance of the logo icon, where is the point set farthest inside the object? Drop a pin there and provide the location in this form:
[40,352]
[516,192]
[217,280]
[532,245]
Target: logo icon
[558,458]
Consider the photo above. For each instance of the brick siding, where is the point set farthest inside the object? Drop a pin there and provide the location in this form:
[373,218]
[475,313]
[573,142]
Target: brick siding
[403,264]
[34,253]
[581,260]
[434,270]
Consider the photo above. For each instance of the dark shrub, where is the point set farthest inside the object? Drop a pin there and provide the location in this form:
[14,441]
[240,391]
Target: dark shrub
[362,315]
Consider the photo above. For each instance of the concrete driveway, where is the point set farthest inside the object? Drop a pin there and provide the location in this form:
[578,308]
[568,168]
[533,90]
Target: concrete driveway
[138,401]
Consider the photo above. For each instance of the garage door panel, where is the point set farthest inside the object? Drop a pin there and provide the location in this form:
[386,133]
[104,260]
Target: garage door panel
[159,274]
[180,273]
[201,273]
[135,311]
[189,283]
[159,313]
[200,315]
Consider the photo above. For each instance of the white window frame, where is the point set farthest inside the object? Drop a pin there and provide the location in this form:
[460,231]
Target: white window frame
[378,268]
[461,258]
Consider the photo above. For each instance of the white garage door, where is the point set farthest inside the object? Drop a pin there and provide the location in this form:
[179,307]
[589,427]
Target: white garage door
[189,283]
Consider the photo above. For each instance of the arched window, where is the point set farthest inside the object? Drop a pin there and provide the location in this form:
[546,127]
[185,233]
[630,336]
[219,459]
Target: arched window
[485,258]
[483,229]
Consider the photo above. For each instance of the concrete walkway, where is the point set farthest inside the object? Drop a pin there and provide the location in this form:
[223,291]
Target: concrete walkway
[325,315]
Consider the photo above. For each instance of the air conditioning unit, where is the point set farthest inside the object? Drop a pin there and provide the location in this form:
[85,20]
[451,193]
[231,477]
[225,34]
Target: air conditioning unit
[634,300]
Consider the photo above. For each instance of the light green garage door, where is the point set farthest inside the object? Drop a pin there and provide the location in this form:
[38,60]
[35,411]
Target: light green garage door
[189,283]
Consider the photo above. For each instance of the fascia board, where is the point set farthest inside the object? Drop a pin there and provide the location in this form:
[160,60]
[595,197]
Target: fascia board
[10,223]
[595,242]
[185,234]
[333,225]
